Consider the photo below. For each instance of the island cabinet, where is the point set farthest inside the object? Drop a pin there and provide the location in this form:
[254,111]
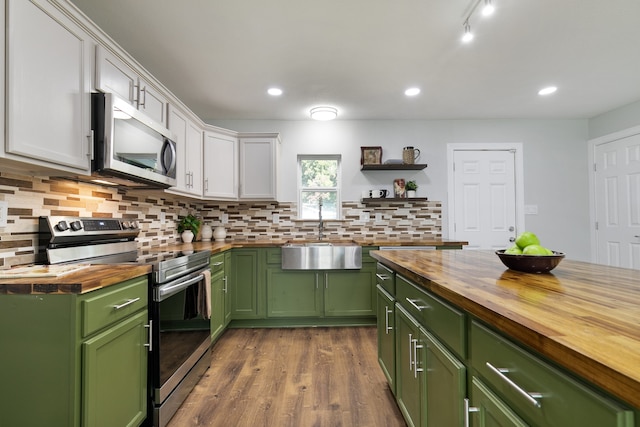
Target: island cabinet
[76,359]
[453,369]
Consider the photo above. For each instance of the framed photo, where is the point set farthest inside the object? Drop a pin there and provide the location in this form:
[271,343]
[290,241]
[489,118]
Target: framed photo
[371,155]
[399,190]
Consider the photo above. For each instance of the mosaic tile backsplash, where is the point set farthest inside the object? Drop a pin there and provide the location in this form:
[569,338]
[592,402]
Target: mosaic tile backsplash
[157,212]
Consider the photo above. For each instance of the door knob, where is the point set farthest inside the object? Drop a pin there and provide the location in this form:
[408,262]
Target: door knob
[512,239]
[512,228]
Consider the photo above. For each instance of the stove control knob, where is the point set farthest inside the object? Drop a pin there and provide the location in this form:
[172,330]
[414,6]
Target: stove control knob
[76,225]
[134,224]
[62,226]
[126,224]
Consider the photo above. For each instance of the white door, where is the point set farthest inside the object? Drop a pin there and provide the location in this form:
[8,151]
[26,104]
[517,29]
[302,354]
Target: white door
[483,202]
[617,202]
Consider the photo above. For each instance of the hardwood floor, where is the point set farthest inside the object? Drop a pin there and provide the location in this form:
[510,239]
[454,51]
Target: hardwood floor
[300,377]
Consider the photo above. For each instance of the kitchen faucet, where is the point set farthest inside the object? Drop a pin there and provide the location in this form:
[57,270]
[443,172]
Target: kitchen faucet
[321,224]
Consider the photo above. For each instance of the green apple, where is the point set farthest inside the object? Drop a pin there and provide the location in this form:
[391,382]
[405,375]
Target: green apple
[514,250]
[527,238]
[549,251]
[534,250]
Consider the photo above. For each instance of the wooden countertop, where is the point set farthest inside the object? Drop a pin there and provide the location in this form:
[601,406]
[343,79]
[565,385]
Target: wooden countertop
[585,317]
[86,280]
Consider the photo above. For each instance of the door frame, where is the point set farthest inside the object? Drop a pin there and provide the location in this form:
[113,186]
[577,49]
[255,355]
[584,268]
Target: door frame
[517,147]
[591,162]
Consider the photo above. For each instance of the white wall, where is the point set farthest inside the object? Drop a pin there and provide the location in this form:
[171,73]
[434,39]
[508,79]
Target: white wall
[555,163]
[621,118]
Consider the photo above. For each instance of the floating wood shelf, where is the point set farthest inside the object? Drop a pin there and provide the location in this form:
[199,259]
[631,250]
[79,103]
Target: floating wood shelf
[393,199]
[393,167]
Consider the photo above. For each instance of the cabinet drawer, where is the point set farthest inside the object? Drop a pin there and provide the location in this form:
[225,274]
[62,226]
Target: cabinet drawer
[105,307]
[217,263]
[445,321]
[386,278]
[539,393]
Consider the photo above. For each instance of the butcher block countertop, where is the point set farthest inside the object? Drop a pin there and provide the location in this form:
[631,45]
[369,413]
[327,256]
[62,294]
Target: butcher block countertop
[84,280]
[584,317]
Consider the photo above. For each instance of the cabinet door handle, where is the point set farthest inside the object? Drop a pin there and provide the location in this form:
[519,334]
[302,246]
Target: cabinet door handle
[387,328]
[418,307]
[529,396]
[224,289]
[410,352]
[416,369]
[217,264]
[326,280]
[143,91]
[467,410]
[124,304]
[150,327]
[382,277]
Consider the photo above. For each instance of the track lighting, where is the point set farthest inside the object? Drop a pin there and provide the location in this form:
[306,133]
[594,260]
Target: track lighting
[488,8]
[468,35]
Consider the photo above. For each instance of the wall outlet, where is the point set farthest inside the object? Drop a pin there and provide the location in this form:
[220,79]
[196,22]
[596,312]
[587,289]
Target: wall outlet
[4,213]
[224,218]
[163,217]
[364,216]
[379,216]
[531,209]
[276,218]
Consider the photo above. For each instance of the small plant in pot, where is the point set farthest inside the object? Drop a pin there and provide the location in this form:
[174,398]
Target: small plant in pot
[188,228]
[411,188]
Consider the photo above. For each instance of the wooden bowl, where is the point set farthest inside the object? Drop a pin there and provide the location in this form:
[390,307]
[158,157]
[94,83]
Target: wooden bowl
[530,263]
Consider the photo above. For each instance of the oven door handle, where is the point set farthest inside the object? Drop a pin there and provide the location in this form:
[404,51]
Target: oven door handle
[170,289]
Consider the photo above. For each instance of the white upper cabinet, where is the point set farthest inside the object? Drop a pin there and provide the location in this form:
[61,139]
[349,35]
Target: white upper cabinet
[189,147]
[115,76]
[220,166]
[259,166]
[48,87]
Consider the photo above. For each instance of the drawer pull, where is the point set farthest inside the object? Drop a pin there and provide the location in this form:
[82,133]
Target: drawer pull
[382,277]
[468,410]
[416,346]
[531,397]
[218,264]
[387,328]
[124,304]
[150,344]
[418,307]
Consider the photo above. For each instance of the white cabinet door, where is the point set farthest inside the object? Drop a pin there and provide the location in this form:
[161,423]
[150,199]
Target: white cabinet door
[189,152]
[48,85]
[220,166]
[114,76]
[259,167]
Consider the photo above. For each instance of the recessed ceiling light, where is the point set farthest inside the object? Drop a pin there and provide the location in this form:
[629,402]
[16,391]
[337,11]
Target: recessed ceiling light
[412,91]
[547,90]
[274,91]
[324,113]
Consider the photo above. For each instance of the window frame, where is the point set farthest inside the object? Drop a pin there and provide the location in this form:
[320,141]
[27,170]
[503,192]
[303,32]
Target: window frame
[337,188]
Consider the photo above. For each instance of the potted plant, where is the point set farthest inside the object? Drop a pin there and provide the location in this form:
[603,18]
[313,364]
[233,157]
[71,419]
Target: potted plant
[411,188]
[188,228]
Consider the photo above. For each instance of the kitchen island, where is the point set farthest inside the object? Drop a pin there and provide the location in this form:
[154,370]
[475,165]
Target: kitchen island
[582,317]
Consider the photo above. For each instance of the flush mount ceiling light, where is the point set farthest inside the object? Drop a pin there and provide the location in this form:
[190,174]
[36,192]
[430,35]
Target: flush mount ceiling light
[323,113]
[547,90]
[412,91]
[274,91]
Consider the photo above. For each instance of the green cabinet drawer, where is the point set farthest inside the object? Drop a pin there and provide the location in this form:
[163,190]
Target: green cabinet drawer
[217,263]
[274,256]
[443,320]
[386,278]
[110,305]
[539,393]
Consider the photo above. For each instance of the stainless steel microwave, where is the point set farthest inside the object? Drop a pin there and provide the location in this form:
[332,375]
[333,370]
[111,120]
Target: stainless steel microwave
[129,149]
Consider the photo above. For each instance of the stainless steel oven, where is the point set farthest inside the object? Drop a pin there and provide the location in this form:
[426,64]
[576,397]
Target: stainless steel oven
[178,295]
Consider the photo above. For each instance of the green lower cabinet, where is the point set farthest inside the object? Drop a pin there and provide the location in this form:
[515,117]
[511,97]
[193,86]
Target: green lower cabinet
[410,366]
[217,305]
[487,410]
[246,287]
[387,336]
[114,375]
[226,289]
[293,293]
[350,292]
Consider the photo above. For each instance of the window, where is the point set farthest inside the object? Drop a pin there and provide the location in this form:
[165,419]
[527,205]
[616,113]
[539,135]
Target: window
[319,179]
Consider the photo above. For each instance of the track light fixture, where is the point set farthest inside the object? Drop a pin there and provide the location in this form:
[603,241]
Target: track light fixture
[488,8]
[468,35]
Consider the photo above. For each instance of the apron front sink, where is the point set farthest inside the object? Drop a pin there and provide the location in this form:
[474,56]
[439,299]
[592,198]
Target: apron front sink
[321,256]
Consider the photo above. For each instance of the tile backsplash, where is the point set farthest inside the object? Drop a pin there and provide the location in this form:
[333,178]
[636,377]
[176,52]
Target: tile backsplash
[157,212]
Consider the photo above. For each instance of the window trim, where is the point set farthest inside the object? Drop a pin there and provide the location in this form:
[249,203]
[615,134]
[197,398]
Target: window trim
[337,188]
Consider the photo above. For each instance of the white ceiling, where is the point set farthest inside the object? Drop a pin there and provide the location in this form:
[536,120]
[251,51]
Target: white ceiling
[220,56]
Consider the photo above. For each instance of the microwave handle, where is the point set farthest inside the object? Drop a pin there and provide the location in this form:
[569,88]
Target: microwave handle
[168,145]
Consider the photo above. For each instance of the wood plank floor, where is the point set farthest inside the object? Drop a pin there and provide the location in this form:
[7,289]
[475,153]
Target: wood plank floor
[301,377]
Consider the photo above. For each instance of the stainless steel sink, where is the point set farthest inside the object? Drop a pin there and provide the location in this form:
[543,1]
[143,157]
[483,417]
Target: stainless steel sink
[321,256]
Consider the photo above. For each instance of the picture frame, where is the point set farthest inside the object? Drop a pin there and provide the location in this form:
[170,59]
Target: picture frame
[371,155]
